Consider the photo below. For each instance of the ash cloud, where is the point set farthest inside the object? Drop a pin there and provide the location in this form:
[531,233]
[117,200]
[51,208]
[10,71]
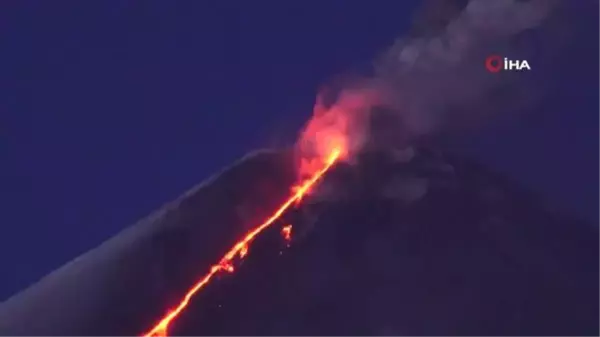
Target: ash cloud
[441,80]
[434,81]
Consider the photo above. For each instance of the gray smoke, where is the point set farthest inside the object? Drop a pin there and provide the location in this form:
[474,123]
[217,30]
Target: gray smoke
[435,80]
[438,80]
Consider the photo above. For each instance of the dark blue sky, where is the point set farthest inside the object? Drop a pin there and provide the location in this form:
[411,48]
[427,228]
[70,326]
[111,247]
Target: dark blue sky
[110,109]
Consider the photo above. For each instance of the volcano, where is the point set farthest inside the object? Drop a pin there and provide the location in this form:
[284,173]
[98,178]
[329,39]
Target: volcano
[412,241]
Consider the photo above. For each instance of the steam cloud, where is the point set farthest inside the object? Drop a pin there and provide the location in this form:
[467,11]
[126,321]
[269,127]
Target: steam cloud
[435,82]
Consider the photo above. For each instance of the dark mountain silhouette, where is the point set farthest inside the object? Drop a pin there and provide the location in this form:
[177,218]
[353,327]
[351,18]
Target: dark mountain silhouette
[407,242]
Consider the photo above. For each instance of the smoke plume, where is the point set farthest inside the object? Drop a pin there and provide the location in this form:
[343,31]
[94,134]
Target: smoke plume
[435,80]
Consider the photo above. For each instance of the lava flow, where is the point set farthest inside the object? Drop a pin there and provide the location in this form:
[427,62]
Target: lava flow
[240,249]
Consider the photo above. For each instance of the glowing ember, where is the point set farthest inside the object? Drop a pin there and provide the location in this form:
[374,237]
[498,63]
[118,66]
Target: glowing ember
[241,247]
[286,232]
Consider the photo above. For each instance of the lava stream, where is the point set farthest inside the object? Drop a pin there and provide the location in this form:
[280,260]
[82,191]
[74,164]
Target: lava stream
[241,247]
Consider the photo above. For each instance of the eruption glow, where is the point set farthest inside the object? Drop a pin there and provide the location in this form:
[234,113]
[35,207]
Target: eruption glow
[240,249]
[343,125]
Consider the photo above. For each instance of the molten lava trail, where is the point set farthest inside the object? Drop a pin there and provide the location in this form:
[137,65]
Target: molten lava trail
[240,249]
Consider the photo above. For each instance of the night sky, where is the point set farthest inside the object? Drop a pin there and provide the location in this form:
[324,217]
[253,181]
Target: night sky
[110,109]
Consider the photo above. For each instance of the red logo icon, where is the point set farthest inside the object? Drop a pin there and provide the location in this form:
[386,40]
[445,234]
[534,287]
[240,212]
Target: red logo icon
[494,63]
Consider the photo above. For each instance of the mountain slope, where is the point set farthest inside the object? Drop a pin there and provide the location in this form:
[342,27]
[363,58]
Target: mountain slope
[421,245]
[407,242]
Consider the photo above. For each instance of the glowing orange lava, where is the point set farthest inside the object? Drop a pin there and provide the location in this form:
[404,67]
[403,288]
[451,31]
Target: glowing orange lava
[241,247]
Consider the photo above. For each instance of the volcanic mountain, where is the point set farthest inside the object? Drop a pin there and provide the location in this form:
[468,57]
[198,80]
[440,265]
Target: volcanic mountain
[412,241]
